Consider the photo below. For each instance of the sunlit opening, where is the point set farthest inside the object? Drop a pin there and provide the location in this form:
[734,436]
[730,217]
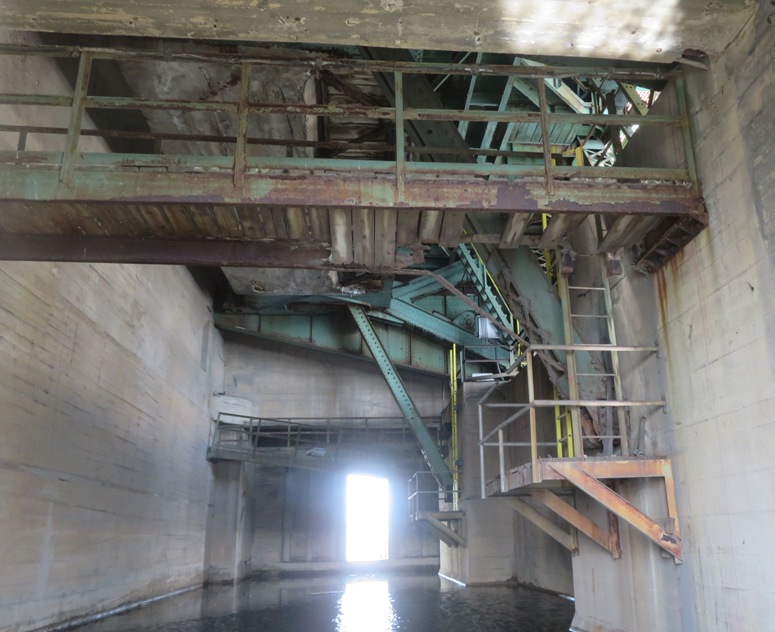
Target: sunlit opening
[365,607]
[368,505]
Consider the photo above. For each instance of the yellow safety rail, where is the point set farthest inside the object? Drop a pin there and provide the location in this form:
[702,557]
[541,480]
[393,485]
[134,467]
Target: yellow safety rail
[453,417]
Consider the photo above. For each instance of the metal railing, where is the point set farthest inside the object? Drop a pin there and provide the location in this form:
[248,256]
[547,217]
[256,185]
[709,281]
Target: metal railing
[313,437]
[496,437]
[239,107]
[424,494]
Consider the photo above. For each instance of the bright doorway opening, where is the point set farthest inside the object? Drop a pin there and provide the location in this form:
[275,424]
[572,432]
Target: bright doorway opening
[368,518]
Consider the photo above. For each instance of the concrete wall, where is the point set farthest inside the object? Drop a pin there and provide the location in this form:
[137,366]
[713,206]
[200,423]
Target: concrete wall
[281,380]
[105,378]
[104,385]
[712,308]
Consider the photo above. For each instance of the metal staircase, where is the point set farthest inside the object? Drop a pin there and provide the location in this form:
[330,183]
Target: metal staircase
[504,364]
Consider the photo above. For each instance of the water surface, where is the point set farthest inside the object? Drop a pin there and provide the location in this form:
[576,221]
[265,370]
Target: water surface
[371,603]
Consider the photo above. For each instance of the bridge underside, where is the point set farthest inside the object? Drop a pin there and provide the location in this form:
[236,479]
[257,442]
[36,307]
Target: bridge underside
[360,160]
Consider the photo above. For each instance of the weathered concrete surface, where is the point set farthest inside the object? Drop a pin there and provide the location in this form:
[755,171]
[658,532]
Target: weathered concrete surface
[103,490]
[105,376]
[713,307]
[285,381]
[641,29]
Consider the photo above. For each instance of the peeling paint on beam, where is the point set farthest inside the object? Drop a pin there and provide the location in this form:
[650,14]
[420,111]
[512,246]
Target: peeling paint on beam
[24,184]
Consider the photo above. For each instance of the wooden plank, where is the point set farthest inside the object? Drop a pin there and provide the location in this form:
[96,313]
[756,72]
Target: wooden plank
[250,222]
[543,523]
[363,236]
[228,221]
[297,223]
[451,228]
[156,219]
[515,228]
[267,219]
[408,227]
[430,226]
[280,225]
[341,235]
[559,226]
[385,223]
[203,220]
[319,225]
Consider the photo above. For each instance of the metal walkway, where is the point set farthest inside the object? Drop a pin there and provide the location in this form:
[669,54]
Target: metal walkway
[210,198]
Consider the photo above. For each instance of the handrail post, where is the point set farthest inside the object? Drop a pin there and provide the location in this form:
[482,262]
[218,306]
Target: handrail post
[481,453]
[686,130]
[241,147]
[77,111]
[502,459]
[546,141]
[533,425]
[400,138]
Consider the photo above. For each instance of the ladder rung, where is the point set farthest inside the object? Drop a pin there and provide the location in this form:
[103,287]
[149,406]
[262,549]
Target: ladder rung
[595,374]
[586,287]
[589,316]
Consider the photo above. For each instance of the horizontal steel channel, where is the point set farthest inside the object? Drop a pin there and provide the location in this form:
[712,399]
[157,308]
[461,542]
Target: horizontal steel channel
[590,347]
[594,403]
[607,72]
[329,164]
[35,99]
[520,444]
[189,180]
[426,114]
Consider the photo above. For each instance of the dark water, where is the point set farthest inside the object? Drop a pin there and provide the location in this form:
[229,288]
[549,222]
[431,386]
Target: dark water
[349,604]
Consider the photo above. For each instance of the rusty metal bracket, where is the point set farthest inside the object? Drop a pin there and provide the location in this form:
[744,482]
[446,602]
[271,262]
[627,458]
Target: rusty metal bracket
[568,540]
[666,537]
[608,541]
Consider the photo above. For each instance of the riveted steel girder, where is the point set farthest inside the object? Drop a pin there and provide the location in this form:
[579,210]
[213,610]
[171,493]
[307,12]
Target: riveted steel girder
[427,445]
[100,186]
[328,332]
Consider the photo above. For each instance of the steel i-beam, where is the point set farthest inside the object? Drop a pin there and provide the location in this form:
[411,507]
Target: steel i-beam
[427,445]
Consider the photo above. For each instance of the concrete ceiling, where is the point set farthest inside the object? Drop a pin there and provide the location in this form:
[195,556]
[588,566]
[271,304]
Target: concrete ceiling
[648,30]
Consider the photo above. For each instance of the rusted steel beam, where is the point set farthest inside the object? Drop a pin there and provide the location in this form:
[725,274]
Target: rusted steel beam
[575,518]
[543,523]
[20,182]
[277,59]
[670,542]
[356,143]
[162,251]
[608,469]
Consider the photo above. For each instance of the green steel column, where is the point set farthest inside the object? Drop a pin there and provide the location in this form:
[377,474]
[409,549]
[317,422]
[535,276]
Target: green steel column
[427,445]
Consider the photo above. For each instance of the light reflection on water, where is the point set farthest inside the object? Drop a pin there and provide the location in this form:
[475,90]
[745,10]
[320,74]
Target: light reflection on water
[365,605]
[348,604]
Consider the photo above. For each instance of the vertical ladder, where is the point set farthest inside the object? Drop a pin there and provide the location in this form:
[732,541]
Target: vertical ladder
[611,347]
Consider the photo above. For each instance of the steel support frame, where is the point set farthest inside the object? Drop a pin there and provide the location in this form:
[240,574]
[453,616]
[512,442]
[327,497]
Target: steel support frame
[445,533]
[324,332]
[667,536]
[428,446]
[24,181]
